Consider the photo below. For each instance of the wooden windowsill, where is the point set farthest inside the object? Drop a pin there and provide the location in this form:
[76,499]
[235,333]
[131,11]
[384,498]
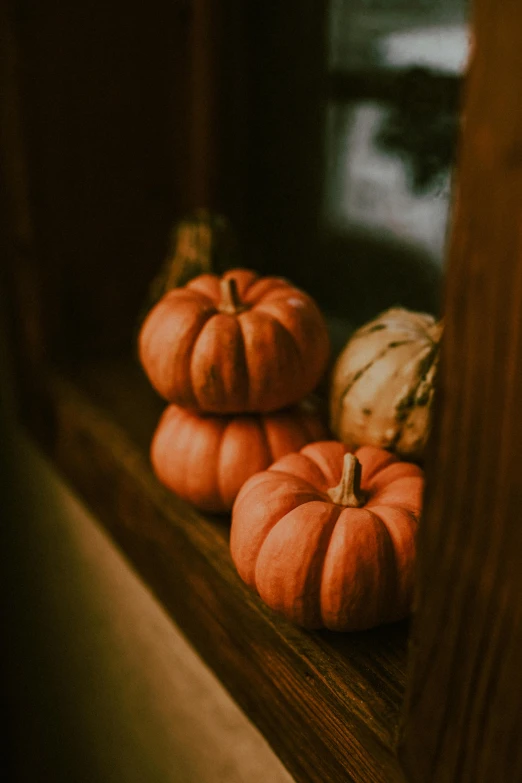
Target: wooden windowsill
[329,704]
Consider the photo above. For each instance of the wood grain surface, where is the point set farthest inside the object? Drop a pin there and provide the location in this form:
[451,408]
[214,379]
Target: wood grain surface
[327,703]
[464,706]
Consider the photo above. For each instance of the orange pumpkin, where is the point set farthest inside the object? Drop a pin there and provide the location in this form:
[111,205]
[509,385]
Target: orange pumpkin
[327,538]
[206,459]
[236,344]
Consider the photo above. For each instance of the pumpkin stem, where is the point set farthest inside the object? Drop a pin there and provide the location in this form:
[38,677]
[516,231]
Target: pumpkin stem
[230,301]
[348,492]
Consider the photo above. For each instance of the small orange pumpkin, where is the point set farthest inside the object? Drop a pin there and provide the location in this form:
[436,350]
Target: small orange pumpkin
[206,459]
[327,538]
[236,344]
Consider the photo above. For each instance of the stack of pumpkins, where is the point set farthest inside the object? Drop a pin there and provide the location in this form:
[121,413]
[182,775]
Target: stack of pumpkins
[324,530]
[236,357]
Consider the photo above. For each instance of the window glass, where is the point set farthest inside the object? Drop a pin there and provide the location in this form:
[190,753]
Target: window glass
[389,156]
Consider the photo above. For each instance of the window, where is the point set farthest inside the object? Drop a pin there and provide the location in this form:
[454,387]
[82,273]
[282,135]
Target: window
[395,71]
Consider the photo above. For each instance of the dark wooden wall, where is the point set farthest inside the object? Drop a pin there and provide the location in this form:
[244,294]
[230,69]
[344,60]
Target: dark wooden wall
[104,112]
[130,119]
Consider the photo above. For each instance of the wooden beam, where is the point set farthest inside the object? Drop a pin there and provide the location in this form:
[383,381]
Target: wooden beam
[462,718]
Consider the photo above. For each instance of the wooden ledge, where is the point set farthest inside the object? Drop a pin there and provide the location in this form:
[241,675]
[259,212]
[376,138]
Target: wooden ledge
[328,704]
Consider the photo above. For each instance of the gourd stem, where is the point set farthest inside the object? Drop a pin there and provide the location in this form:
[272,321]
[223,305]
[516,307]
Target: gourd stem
[348,492]
[229,301]
[436,331]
